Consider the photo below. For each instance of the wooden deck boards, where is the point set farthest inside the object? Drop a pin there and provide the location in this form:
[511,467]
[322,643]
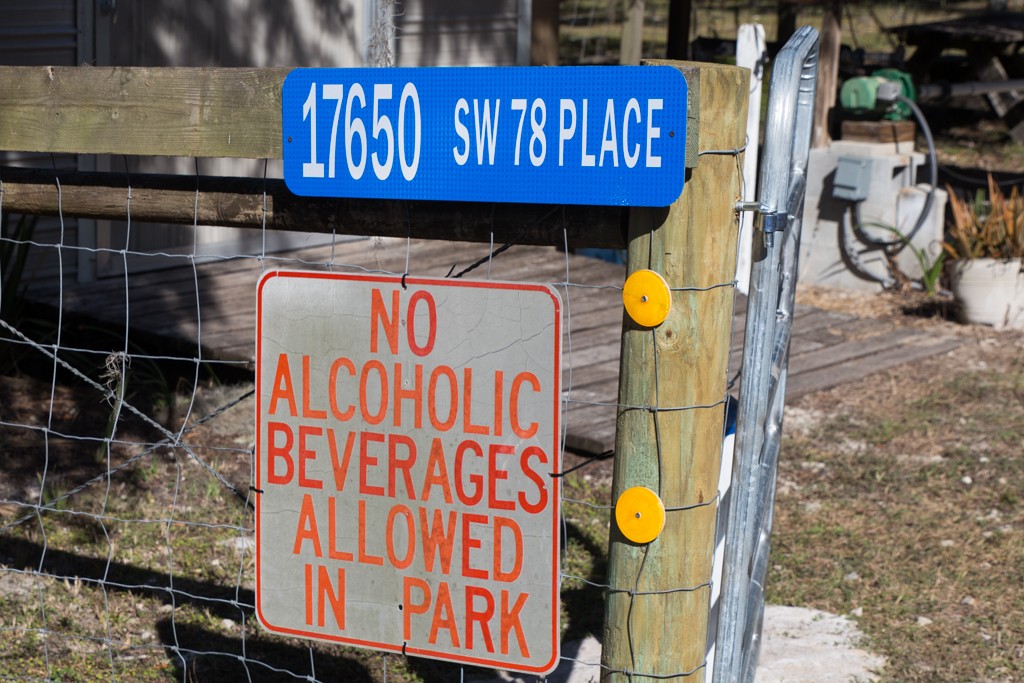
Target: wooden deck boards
[215,304]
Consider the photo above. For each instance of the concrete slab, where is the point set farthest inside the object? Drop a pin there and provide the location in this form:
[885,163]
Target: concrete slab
[799,645]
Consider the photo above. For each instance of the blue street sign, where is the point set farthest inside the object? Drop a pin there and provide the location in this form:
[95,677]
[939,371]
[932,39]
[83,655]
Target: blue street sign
[570,135]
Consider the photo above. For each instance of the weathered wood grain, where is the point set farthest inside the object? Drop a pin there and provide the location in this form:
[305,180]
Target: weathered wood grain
[255,203]
[193,112]
[674,448]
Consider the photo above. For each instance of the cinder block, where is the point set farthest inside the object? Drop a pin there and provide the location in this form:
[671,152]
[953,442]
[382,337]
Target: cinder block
[892,199]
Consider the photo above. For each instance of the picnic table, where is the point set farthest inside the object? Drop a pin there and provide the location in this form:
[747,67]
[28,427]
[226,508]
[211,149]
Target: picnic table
[993,43]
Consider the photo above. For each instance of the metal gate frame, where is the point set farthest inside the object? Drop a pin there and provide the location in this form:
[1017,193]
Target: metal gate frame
[766,356]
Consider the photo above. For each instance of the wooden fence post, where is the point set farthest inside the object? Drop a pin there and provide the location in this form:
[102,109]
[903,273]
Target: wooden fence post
[828,72]
[656,615]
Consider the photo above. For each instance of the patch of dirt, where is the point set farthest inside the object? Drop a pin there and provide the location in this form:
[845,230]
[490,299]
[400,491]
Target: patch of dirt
[860,304]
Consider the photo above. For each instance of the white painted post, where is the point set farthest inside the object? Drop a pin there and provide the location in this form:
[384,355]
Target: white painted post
[750,49]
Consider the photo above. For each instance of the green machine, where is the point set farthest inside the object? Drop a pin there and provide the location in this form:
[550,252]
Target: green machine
[883,93]
[887,95]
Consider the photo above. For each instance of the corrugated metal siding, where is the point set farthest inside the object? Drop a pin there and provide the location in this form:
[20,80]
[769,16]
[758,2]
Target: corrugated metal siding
[39,33]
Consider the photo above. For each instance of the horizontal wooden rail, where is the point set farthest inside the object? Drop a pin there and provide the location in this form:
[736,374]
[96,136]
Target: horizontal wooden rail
[239,202]
[167,111]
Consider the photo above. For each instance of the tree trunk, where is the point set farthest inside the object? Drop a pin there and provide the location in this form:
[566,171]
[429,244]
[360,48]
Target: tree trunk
[679,21]
[544,33]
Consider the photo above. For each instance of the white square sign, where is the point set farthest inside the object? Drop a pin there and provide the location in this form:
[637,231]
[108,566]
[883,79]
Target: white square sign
[407,433]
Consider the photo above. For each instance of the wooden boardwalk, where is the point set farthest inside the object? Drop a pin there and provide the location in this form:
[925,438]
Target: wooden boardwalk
[215,304]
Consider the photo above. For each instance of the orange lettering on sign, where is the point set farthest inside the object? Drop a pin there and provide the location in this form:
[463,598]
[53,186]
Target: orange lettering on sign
[428,346]
[500,524]
[307,530]
[469,544]
[479,616]
[332,389]
[308,411]
[467,405]
[277,452]
[524,462]
[367,461]
[438,537]
[510,622]
[415,394]
[306,455]
[410,537]
[444,617]
[453,398]
[340,469]
[476,479]
[365,557]
[402,465]
[325,593]
[374,418]
[437,472]
[332,533]
[513,405]
[336,597]
[379,316]
[409,607]
[381,319]
[496,474]
[282,387]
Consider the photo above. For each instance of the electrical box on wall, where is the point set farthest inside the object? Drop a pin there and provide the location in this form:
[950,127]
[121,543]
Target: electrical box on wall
[874,186]
[852,179]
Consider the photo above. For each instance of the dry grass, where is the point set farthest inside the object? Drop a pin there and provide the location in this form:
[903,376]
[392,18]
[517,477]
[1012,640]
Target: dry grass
[901,501]
[85,585]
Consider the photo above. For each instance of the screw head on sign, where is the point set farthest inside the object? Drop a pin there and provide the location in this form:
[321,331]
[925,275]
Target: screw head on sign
[640,514]
[647,298]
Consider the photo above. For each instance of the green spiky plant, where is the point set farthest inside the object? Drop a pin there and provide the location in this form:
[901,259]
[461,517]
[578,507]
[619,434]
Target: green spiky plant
[931,268]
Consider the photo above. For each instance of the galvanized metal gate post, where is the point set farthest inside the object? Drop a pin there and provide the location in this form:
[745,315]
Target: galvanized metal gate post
[766,356]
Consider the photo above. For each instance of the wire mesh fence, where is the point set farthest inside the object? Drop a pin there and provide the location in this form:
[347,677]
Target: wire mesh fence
[128,428]
[127,417]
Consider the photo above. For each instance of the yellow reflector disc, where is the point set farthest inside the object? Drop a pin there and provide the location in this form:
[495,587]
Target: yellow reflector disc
[647,298]
[640,514]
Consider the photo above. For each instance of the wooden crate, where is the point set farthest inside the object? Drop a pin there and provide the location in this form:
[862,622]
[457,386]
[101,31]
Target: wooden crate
[879,131]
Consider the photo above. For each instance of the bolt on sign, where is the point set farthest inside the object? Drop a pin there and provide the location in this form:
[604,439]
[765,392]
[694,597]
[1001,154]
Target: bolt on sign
[407,433]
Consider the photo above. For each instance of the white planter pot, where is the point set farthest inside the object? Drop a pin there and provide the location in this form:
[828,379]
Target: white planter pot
[990,291]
